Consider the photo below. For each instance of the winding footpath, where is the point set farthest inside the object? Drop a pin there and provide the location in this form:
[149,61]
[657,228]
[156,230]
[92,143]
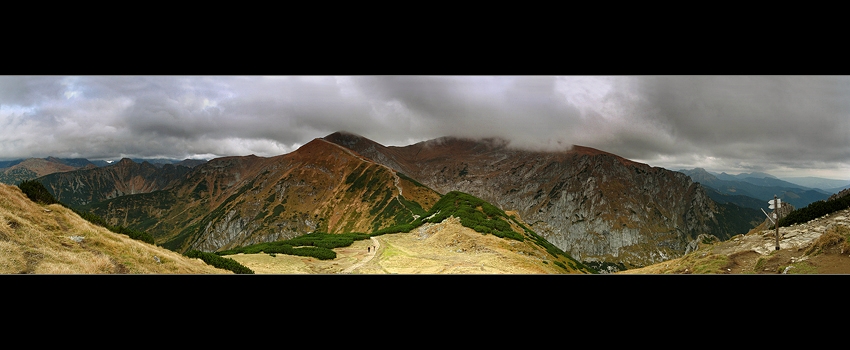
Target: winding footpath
[372,253]
[791,237]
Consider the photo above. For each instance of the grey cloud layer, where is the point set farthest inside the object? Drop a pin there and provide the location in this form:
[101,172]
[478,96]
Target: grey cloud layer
[721,122]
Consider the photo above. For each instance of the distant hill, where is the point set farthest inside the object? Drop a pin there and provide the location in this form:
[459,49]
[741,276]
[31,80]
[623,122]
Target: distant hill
[32,168]
[9,163]
[160,162]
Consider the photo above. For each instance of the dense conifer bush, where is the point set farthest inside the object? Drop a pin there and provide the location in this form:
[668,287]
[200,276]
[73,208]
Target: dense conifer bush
[36,192]
[220,262]
[814,210]
[317,244]
[489,219]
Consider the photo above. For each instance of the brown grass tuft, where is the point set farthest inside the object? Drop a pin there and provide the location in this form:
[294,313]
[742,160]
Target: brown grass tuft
[834,238]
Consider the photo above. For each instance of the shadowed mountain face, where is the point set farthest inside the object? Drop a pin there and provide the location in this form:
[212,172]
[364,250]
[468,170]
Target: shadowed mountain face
[236,201]
[89,185]
[13,172]
[594,205]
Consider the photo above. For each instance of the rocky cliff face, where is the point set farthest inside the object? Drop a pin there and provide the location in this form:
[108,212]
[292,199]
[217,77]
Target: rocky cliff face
[594,205]
[840,194]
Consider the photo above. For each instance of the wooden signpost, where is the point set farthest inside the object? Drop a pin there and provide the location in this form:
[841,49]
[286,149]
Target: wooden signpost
[775,204]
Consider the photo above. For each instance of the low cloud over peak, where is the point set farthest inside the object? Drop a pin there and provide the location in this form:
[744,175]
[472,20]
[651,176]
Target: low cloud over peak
[783,125]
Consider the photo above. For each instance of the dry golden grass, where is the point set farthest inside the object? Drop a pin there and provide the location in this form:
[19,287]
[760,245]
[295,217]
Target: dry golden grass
[444,248]
[835,237]
[702,261]
[52,239]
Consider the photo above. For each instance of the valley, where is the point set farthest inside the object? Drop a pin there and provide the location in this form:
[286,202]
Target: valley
[583,210]
[445,248]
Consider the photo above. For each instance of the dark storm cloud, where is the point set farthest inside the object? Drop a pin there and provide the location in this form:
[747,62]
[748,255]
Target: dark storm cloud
[527,110]
[759,121]
[723,123]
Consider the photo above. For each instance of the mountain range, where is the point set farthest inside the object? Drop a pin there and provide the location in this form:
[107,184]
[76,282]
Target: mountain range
[600,208]
[754,192]
[12,172]
[608,212]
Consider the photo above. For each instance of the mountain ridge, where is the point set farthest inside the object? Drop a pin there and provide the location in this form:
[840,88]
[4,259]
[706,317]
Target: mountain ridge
[601,208]
[243,200]
[594,205]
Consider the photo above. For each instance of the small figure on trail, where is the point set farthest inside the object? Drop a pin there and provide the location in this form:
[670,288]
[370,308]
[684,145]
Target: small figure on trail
[368,249]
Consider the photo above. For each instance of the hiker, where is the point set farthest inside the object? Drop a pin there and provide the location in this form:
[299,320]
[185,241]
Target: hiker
[368,249]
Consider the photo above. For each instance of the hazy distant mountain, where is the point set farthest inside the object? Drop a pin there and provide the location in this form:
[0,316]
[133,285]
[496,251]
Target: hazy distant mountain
[159,162]
[760,189]
[829,185]
[742,176]
[9,163]
[838,189]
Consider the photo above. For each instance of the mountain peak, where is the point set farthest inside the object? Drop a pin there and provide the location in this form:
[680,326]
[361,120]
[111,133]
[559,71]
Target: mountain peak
[350,140]
[589,151]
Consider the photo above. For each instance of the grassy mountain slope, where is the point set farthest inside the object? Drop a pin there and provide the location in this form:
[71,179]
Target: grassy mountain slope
[460,234]
[237,201]
[52,239]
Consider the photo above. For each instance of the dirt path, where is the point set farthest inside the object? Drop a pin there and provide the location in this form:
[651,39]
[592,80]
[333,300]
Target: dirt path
[445,248]
[372,252]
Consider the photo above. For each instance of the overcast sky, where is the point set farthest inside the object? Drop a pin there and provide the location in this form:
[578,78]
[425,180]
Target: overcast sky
[783,125]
